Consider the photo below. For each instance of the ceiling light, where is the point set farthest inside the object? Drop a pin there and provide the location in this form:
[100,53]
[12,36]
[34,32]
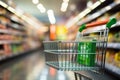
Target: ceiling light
[11,9]
[51,16]
[18,14]
[41,8]
[3,4]
[86,11]
[95,5]
[102,0]
[83,13]
[89,3]
[108,7]
[65,0]
[64,6]
[35,1]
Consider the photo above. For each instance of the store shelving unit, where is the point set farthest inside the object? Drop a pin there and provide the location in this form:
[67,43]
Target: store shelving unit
[15,39]
[113,69]
[111,45]
[92,17]
[114,45]
[10,42]
[11,32]
[97,14]
[3,58]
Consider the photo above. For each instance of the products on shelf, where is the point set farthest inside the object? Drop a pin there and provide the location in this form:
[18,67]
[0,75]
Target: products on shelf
[2,26]
[113,58]
[116,15]
[114,36]
[1,50]
[111,37]
[117,59]
[2,11]
[117,37]
[110,54]
[17,48]
[52,32]
[6,37]
[109,11]
[14,34]
[61,33]
[112,61]
[7,49]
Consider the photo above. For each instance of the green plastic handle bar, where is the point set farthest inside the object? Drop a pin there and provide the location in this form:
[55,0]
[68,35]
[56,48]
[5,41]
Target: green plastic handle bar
[111,22]
[82,27]
[108,25]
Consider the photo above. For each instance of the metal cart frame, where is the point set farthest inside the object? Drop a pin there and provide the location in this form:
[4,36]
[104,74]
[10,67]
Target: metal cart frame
[62,54]
[79,55]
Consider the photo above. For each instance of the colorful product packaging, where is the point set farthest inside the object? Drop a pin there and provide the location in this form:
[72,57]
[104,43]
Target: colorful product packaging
[87,51]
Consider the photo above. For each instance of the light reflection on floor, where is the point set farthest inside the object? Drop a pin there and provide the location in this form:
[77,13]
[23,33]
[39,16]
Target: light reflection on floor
[31,67]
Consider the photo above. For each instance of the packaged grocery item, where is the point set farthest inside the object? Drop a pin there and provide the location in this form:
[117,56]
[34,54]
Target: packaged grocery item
[52,32]
[86,51]
[110,54]
[117,16]
[2,26]
[110,37]
[61,32]
[7,49]
[117,59]
[117,36]
[14,48]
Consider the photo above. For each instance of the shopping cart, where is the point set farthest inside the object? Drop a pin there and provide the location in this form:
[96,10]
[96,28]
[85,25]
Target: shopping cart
[85,53]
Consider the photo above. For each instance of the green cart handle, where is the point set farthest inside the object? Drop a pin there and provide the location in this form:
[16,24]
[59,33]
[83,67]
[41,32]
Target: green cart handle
[111,22]
[83,26]
[108,25]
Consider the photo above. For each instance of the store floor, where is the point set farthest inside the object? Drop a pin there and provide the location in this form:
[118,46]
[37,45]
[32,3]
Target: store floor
[32,67]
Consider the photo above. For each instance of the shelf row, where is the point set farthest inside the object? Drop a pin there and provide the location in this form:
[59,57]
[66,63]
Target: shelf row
[9,17]
[15,54]
[99,13]
[111,10]
[113,45]
[112,68]
[15,26]
[93,12]
[11,41]
[12,32]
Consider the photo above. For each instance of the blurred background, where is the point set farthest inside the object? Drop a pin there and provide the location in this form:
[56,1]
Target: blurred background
[25,24]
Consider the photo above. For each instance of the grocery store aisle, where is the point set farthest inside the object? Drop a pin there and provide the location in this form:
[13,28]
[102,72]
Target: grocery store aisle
[31,67]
